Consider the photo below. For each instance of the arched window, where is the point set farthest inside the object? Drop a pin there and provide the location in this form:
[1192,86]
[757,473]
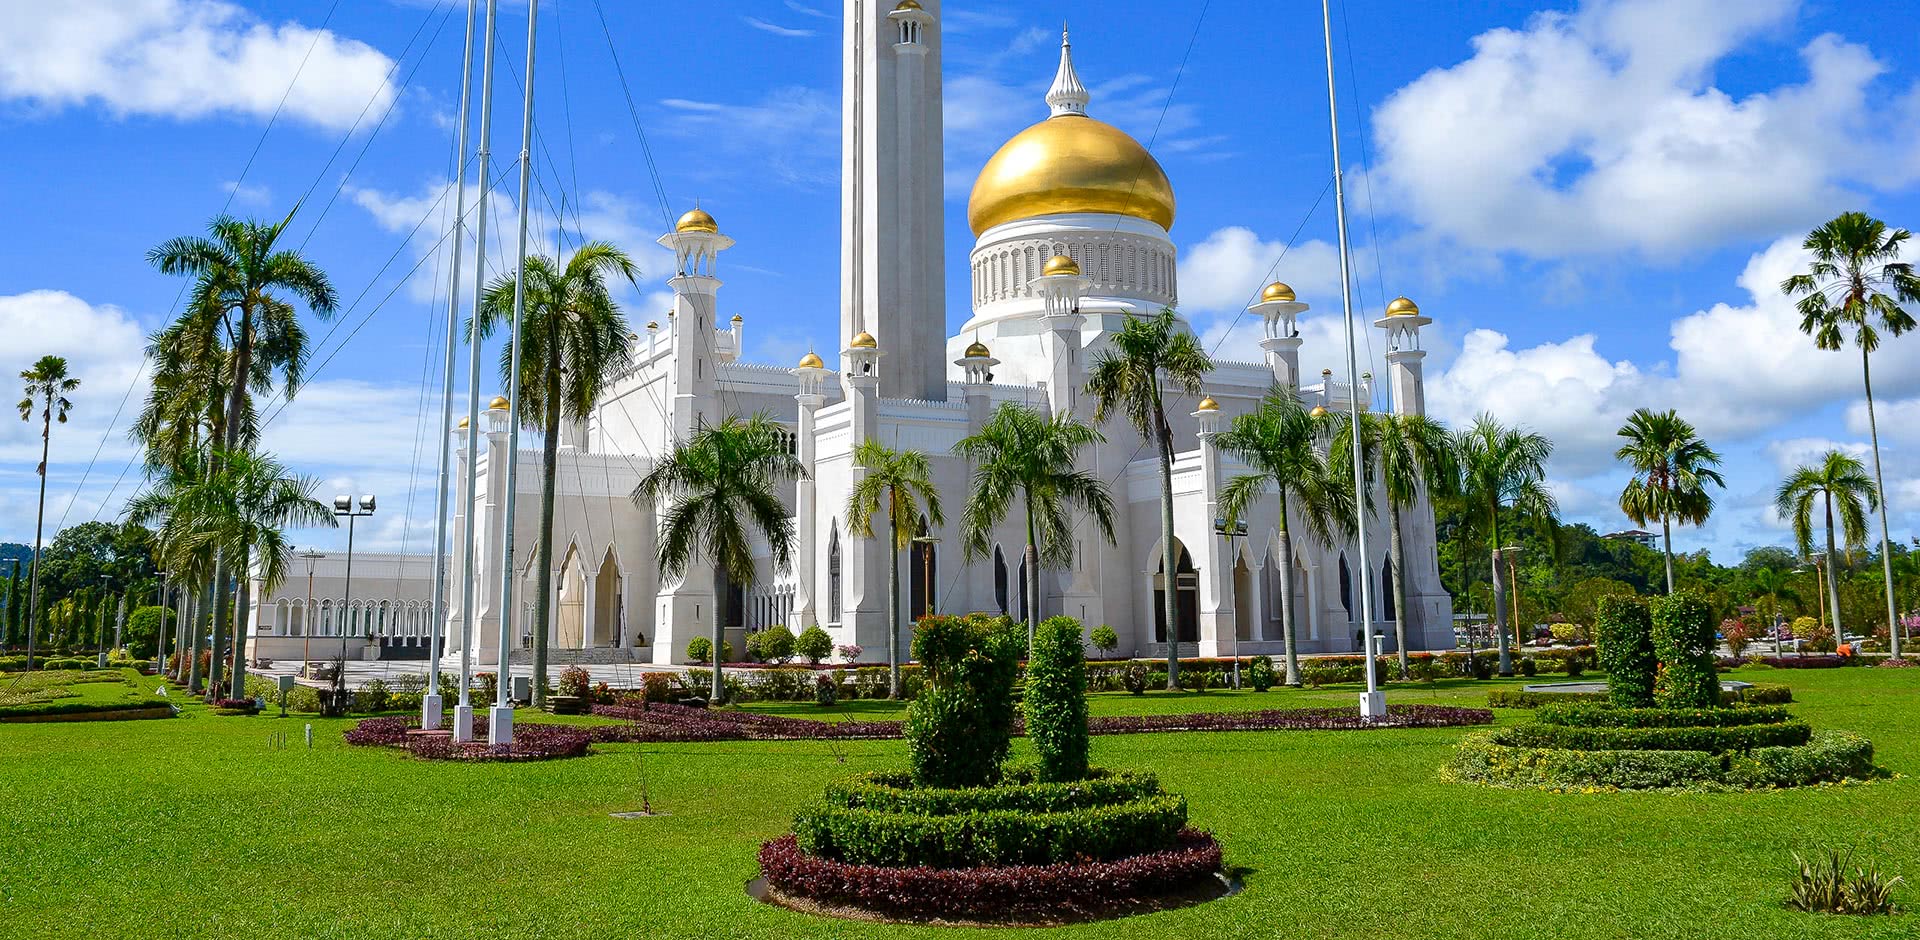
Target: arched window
[1346,586]
[326,618]
[1186,600]
[1000,580]
[833,576]
[924,561]
[1386,589]
[1026,608]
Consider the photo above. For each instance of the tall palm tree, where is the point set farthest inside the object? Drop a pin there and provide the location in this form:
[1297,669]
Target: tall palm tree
[1148,359]
[1775,587]
[1021,454]
[1503,469]
[903,481]
[1408,456]
[1672,468]
[576,342]
[239,276]
[47,388]
[1857,283]
[1284,446]
[1840,485]
[715,486]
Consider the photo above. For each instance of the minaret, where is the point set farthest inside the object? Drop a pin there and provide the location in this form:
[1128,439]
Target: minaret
[811,373]
[1062,285]
[1279,311]
[891,198]
[1405,372]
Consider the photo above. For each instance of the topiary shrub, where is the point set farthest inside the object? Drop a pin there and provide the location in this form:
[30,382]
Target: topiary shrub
[700,650]
[1625,627]
[813,644]
[1683,641]
[961,728]
[776,644]
[1105,640]
[1260,673]
[1056,699]
[1135,679]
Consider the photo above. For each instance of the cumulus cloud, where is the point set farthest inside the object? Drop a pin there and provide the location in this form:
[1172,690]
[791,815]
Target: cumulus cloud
[1601,130]
[791,133]
[777,29]
[185,59]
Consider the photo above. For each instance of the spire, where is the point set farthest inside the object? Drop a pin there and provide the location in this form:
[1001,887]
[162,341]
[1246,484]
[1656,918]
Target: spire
[1067,96]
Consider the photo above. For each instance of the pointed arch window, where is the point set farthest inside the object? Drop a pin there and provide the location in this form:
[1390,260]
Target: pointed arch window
[1000,580]
[833,576]
[1186,600]
[924,560]
[1346,586]
[1386,590]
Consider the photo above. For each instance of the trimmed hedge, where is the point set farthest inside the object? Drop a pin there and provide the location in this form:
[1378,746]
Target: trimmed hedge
[1683,639]
[895,793]
[1658,738]
[1758,694]
[1624,626]
[990,837]
[961,729]
[1520,698]
[1055,892]
[1831,756]
[78,707]
[1591,716]
[1055,703]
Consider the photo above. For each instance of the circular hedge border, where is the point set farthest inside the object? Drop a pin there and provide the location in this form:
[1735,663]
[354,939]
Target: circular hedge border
[1493,758]
[991,837]
[1030,895]
[1658,738]
[895,792]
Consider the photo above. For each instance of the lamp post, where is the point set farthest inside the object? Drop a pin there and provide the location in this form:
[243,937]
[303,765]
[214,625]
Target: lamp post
[344,506]
[306,616]
[1239,529]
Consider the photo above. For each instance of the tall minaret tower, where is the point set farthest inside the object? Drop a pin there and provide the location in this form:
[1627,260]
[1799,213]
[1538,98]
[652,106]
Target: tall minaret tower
[891,199]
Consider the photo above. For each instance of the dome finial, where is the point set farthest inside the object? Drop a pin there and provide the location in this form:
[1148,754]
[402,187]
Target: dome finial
[1067,96]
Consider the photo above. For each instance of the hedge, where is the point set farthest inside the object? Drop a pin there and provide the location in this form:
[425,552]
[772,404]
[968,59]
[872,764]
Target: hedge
[1054,892]
[1831,756]
[1055,703]
[73,707]
[1758,694]
[1624,625]
[895,793]
[1657,738]
[990,837]
[961,729]
[1683,639]
[1520,698]
[1591,716]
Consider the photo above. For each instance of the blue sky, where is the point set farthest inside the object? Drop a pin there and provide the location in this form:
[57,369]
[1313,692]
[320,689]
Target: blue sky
[1595,201]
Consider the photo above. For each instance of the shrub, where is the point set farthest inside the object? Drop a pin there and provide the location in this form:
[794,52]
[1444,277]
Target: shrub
[1019,790]
[825,690]
[961,728]
[1135,678]
[1520,698]
[1737,634]
[1625,627]
[575,682]
[303,699]
[67,663]
[1660,738]
[1568,632]
[814,644]
[990,837]
[1056,699]
[700,650]
[371,697]
[1105,639]
[1832,884]
[1260,673]
[1600,716]
[1758,695]
[1528,667]
[771,645]
[1683,641]
[849,652]
[1486,757]
[658,686]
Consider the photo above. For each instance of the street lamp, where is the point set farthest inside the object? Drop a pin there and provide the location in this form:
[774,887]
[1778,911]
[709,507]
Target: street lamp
[1229,532]
[306,616]
[343,506]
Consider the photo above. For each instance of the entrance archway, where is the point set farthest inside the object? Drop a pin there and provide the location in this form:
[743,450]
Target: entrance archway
[569,629]
[1186,600]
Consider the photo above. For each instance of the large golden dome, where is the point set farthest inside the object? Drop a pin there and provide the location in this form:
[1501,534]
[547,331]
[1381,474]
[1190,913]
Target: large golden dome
[1070,163]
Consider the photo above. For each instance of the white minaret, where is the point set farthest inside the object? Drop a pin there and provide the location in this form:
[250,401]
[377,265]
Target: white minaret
[891,199]
[1279,311]
[1404,367]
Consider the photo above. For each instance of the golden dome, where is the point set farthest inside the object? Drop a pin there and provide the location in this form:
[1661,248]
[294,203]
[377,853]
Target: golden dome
[1070,163]
[1277,291]
[979,350]
[499,403]
[811,360]
[738,319]
[464,425]
[653,326]
[908,5]
[697,220]
[1060,264]
[864,341]
[1319,411]
[1208,404]
[1403,308]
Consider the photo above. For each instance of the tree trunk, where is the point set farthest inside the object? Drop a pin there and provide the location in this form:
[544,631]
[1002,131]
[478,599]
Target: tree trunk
[543,568]
[717,695]
[1399,586]
[1880,486]
[39,528]
[1169,559]
[1032,585]
[241,607]
[1292,677]
[893,603]
[193,646]
[1666,534]
[216,671]
[1833,575]
[1499,596]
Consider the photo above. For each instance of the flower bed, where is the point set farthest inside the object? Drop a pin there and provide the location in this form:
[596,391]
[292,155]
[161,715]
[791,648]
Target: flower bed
[1806,662]
[1041,893]
[531,741]
[234,706]
[1489,757]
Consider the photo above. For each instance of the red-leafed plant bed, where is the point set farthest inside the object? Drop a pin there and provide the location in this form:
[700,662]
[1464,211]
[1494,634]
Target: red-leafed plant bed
[531,742]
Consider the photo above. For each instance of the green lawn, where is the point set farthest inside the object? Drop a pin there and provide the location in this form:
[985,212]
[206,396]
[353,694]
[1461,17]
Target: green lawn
[200,827]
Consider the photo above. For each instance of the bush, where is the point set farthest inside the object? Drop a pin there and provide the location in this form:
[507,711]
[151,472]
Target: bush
[1056,699]
[371,697]
[1659,738]
[1758,695]
[1826,886]
[960,730]
[700,650]
[1683,641]
[1020,790]
[1105,639]
[1528,667]
[1625,627]
[1592,716]
[990,837]
[1135,678]
[825,690]
[143,629]
[303,699]
[67,664]
[1486,757]
[772,645]
[1260,673]
[575,682]
[813,644]
[1520,698]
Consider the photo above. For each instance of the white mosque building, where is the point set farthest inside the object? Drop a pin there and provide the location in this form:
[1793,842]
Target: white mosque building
[1072,220]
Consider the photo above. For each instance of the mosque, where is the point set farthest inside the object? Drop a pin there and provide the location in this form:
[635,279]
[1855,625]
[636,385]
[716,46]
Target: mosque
[1071,220]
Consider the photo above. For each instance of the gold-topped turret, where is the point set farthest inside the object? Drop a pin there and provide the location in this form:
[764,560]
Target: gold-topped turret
[1277,292]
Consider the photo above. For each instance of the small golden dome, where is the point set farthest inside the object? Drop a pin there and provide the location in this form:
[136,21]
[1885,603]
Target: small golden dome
[811,360]
[653,326]
[1403,308]
[979,350]
[908,5]
[1208,404]
[632,336]
[1319,411]
[499,403]
[1070,163]
[738,319]
[697,220]
[1060,264]
[464,425]
[1277,291]
[864,340]
[1326,373]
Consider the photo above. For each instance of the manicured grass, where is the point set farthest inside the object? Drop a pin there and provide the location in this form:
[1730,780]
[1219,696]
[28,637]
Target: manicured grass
[202,827]
[73,691]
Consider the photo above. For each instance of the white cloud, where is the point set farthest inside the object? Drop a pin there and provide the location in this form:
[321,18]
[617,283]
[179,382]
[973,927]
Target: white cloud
[1601,130]
[184,59]
[792,133]
[778,30]
[248,194]
[1792,453]
[805,10]
[1899,419]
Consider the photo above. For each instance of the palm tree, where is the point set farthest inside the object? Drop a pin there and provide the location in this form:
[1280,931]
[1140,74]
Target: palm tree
[1409,455]
[904,480]
[1775,587]
[1282,444]
[1021,454]
[576,342]
[239,510]
[1839,483]
[715,486]
[1858,283]
[1503,469]
[47,388]
[239,273]
[1672,467]
[1146,359]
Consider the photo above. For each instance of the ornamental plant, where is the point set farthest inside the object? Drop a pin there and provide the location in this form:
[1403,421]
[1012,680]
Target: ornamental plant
[1056,699]
[1683,641]
[776,644]
[961,728]
[1737,634]
[1105,640]
[813,644]
[1260,673]
[575,682]
[1625,628]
